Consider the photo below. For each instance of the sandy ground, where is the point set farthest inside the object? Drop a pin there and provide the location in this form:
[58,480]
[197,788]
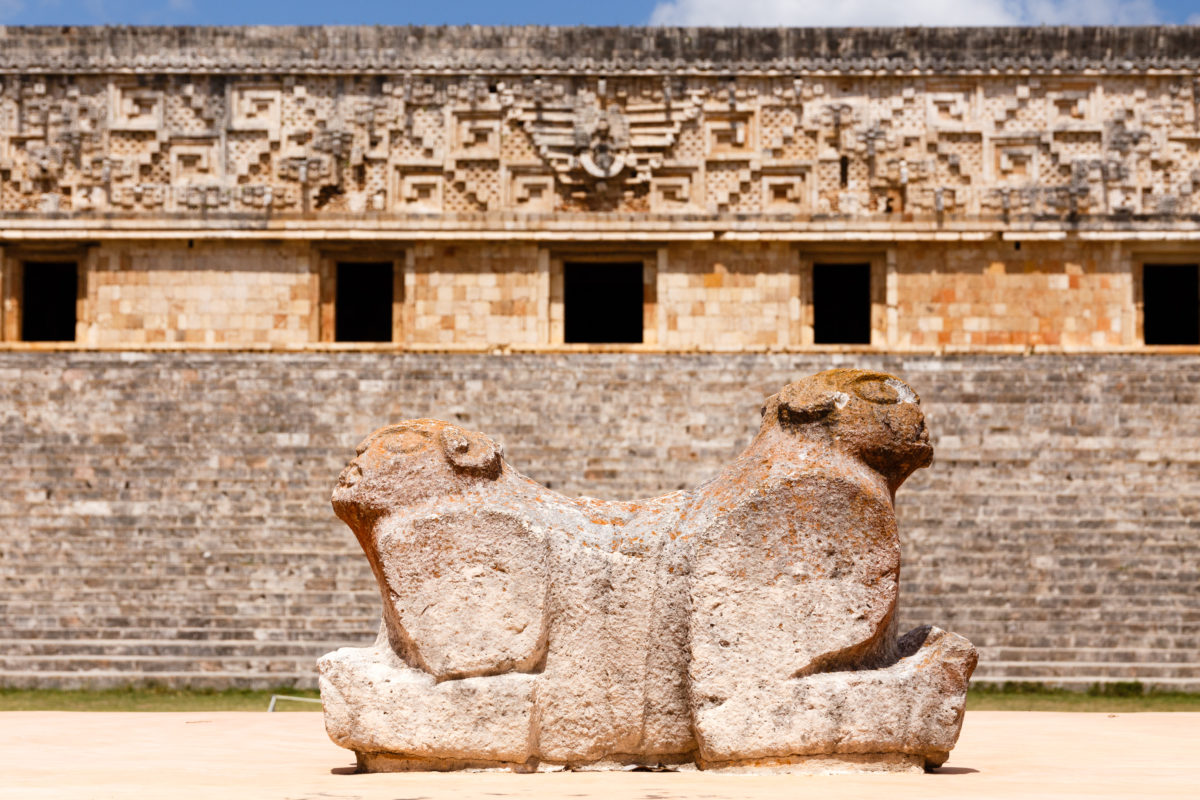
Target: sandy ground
[288,757]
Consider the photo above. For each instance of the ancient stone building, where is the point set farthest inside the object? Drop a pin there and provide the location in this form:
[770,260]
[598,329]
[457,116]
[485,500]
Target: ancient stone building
[230,253]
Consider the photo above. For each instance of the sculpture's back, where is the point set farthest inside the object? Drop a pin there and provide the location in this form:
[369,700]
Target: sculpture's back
[524,627]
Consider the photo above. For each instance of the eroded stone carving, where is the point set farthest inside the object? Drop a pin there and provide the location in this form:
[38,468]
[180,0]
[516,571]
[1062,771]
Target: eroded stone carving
[749,623]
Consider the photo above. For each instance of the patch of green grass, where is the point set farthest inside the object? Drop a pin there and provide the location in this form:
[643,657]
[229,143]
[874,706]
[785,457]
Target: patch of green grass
[153,698]
[1112,698]
[1121,697]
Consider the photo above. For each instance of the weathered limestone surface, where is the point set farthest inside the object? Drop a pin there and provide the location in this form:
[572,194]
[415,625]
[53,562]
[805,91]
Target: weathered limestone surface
[748,623]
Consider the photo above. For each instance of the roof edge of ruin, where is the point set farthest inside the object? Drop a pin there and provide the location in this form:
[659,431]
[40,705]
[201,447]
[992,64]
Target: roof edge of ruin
[424,49]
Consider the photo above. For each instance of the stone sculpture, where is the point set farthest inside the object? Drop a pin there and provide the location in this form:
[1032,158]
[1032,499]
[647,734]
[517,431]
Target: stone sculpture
[750,623]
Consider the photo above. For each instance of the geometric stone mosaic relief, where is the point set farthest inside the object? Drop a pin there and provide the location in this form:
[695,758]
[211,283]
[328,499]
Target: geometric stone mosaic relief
[849,145]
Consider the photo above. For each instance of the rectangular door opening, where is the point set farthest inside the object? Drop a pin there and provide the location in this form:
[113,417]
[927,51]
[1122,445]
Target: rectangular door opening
[842,303]
[49,290]
[363,304]
[602,302]
[1171,303]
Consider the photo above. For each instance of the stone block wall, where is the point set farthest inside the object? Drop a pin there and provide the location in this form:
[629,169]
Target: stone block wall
[166,515]
[477,295]
[179,292]
[1072,295]
[729,297]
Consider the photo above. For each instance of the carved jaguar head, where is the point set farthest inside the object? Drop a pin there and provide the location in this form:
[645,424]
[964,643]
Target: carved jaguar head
[871,415]
[401,464]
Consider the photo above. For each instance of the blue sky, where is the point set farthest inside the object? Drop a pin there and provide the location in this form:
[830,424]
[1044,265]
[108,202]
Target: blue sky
[609,12]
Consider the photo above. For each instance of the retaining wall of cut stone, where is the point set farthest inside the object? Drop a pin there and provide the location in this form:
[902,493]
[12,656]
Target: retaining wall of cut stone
[165,516]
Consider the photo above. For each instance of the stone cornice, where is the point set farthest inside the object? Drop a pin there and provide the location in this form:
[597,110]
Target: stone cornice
[612,51]
[20,230]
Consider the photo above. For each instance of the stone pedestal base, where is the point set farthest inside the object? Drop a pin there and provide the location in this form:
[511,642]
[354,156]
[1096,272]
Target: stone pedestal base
[906,717]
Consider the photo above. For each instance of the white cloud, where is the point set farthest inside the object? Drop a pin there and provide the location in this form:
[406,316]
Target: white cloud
[904,12]
[1088,12]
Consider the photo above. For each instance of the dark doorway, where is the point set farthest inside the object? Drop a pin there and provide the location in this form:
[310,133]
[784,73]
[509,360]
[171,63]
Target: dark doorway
[1171,303]
[48,301]
[363,311]
[602,303]
[842,303]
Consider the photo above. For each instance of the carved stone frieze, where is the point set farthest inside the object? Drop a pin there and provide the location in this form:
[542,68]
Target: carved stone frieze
[705,134]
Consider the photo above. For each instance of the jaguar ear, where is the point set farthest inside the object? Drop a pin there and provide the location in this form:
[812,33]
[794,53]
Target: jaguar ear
[472,452]
[802,403]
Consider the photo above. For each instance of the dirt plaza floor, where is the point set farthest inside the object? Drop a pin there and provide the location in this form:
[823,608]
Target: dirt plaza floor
[288,757]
